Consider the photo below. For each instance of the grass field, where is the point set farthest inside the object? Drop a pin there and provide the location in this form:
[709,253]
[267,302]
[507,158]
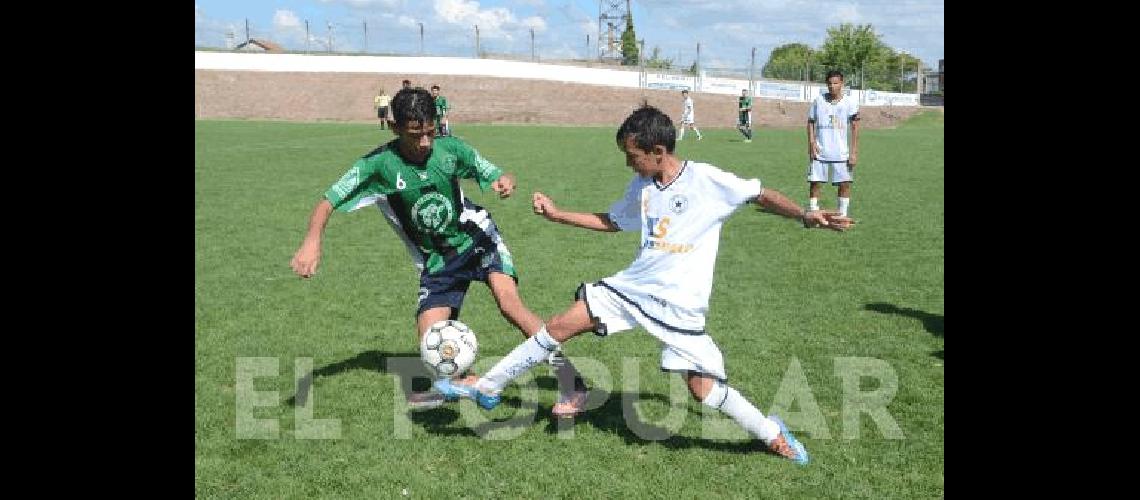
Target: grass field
[790,309]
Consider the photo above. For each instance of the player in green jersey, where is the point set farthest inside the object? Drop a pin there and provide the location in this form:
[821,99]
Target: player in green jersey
[744,120]
[414,180]
[441,108]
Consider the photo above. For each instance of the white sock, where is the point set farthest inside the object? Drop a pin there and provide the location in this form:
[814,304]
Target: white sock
[531,352]
[813,203]
[698,131]
[731,403]
[682,136]
[843,202]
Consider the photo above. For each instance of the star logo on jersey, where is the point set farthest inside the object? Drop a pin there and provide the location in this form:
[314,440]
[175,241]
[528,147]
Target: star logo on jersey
[432,213]
[678,203]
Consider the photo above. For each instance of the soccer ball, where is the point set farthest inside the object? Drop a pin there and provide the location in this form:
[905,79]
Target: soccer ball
[448,348]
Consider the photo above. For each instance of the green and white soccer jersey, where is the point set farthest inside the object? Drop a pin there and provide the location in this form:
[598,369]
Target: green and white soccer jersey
[441,106]
[745,108]
[424,204]
[832,122]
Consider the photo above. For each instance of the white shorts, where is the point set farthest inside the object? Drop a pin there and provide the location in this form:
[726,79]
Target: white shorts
[682,350]
[817,171]
[685,120]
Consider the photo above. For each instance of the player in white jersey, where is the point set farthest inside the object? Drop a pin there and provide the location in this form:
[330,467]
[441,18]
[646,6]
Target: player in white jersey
[829,117]
[678,207]
[687,117]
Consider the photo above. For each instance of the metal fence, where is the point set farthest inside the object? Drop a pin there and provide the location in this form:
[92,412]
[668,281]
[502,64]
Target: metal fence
[417,39]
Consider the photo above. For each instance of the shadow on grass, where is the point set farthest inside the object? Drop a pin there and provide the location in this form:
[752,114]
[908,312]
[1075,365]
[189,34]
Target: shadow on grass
[935,324]
[377,361]
[611,412]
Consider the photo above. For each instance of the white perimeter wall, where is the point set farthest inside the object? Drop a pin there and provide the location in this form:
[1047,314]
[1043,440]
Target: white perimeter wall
[313,63]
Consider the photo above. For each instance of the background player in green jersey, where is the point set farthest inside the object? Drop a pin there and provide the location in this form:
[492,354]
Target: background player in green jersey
[441,108]
[744,120]
[414,181]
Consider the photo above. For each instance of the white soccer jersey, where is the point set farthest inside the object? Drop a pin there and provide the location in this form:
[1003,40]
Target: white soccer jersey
[832,122]
[671,278]
[687,110]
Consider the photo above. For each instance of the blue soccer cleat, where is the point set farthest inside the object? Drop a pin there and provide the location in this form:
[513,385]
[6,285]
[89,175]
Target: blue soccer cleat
[466,389]
[787,446]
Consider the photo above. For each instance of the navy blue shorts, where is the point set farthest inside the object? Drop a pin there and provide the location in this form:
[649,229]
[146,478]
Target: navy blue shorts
[448,287]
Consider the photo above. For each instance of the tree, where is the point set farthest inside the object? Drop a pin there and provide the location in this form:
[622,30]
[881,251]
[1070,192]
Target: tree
[789,62]
[629,52]
[880,71]
[889,70]
[857,51]
[850,48]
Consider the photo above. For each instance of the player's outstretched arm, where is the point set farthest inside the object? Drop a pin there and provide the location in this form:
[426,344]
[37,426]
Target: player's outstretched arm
[545,207]
[308,256]
[775,201]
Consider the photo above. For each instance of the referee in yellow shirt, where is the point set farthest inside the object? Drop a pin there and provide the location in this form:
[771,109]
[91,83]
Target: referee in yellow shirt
[381,103]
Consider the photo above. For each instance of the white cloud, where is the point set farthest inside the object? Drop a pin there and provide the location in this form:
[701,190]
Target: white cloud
[493,22]
[365,4]
[737,32]
[848,13]
[588,27]
[535,22]
[407,22]
[467,12]
[289,30]
[286,19]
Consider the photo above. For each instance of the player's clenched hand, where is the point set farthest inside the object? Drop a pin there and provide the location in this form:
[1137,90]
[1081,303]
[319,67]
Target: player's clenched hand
[827,219]
[306,259]
[504,185]
[544,206]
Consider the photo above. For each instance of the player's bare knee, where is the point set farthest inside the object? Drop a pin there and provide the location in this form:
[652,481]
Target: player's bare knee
[696,396]
[699,385]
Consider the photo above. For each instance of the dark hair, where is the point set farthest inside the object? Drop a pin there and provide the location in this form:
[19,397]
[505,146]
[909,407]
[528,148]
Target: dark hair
[413,105]
[684,91]
[406,83]
[435,87]
[832,73]
[649,127]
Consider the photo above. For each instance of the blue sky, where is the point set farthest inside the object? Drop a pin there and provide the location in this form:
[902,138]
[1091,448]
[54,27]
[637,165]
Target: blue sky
[726,29]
